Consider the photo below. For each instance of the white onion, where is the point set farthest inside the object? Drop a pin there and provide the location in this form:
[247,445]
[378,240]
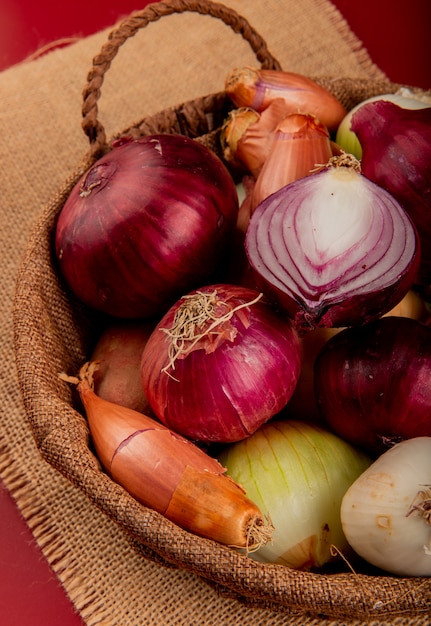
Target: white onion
[297,473]
[377,515]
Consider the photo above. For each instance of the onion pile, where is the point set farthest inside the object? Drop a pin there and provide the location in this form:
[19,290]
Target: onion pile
[229,329]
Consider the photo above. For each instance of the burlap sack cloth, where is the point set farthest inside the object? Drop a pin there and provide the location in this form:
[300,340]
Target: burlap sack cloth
[105,572]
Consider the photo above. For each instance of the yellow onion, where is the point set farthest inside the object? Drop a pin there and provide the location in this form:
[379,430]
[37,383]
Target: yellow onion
[298,474]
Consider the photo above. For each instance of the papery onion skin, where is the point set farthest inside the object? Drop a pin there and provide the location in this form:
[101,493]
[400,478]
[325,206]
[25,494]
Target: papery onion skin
[332,249]
[149,221]
[231,384]
[372,383]
[378,514]
[250,145]
[298,474]
[396,146]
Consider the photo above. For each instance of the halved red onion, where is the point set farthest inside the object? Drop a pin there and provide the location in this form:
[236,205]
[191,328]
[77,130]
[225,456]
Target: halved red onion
[220,363]
[333,248]
[149,221]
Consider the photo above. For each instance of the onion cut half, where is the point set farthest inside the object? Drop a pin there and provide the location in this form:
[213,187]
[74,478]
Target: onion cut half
[333,248]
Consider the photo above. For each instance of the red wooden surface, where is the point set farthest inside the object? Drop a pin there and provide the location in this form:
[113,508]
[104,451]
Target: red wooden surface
[30,593]
[396,34]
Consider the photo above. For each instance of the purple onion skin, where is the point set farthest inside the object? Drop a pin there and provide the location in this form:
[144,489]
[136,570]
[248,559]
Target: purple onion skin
[396,154]
[155,220]
[373,382]
[227,394]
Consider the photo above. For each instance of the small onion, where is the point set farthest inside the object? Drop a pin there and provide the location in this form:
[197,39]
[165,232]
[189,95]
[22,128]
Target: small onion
[297,474]
[333,248]
[219,364]
[118,354]
[372,382]
[386,512]
[149,221]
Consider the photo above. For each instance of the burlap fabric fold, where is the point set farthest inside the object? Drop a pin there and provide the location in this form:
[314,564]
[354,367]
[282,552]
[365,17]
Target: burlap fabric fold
[110,574]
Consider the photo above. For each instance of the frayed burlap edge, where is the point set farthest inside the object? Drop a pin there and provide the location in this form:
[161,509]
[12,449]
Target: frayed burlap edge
[51,543]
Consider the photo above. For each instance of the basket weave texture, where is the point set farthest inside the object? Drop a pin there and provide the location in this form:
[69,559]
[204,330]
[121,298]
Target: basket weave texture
[54,333]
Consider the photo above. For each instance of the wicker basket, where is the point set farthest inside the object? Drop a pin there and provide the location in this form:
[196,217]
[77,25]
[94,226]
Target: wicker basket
[52,334]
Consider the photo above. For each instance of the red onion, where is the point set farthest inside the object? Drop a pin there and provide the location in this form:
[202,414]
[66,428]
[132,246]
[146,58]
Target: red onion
[220,363]
[372,382]
[396,154]
[149,221]
[333,248]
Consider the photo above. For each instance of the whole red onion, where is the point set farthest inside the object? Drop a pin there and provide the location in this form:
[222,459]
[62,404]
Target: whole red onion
[333,248]
[372,382]
[396,154]
[220,363]
[149,221]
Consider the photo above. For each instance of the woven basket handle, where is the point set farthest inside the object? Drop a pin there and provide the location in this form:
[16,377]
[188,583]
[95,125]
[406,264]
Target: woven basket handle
[139,19]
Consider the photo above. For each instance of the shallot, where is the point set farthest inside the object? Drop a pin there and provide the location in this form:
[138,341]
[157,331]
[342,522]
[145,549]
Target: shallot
[168,473]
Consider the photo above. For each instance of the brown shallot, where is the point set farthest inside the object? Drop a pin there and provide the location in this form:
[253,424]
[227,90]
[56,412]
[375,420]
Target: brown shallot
[256,88]
[246,136]
[301,144]
[168,473]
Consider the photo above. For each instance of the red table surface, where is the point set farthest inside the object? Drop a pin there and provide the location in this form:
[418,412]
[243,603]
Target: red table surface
[396,35]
